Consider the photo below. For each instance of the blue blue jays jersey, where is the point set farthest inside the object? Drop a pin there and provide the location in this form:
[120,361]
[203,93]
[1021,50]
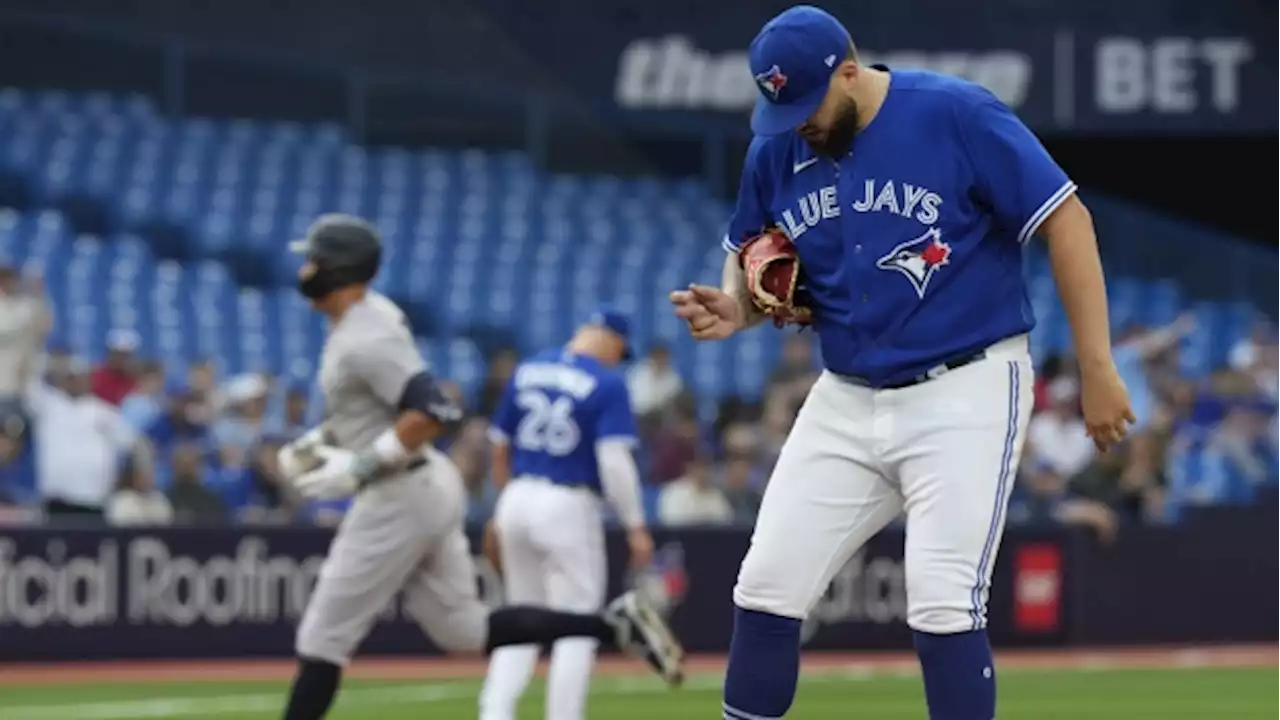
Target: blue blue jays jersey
[911,245]
[556,408]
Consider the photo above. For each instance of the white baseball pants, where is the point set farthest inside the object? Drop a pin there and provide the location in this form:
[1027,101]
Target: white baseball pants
[946,451]
[553,555]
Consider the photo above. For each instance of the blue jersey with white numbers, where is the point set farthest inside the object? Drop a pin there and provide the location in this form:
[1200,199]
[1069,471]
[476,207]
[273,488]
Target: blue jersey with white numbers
[911,245]
[556,408]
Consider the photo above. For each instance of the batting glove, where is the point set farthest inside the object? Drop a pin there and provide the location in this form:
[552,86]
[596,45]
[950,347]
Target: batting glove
[340,475]
[299,456]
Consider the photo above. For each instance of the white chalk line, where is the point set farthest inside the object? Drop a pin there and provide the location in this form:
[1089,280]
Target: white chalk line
[173,707]
[205,706]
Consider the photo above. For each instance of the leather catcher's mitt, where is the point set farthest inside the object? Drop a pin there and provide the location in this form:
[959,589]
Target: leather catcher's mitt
[772,268]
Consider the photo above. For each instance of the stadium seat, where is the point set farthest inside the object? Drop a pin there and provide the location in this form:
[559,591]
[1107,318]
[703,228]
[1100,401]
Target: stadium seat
[178,229]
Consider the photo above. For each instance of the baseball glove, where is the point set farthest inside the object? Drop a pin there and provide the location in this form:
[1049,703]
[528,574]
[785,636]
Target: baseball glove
[772,268]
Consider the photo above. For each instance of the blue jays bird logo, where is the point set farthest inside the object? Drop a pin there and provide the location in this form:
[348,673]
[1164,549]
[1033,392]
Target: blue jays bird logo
[664,583]
[918,259]
[772,81]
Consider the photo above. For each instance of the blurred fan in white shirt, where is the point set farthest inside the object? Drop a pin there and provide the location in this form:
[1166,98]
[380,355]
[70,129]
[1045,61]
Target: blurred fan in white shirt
[653,382]
[80,441]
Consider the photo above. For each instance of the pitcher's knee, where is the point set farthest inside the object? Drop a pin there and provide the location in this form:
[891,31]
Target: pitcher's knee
[943,620]
[942,610]
[943,598]
[770,591]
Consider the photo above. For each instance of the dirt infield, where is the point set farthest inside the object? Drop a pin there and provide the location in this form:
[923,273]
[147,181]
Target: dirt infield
[440,668]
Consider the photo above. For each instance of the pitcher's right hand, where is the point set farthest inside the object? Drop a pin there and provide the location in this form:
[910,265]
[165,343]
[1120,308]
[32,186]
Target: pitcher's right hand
[710,313]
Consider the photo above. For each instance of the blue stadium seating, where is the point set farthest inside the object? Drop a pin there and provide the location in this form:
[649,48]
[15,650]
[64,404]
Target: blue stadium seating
[178,230]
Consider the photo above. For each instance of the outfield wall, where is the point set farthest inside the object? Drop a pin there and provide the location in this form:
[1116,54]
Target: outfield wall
[204,593]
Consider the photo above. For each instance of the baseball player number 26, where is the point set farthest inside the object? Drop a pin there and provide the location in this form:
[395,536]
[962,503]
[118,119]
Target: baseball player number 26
[547,425]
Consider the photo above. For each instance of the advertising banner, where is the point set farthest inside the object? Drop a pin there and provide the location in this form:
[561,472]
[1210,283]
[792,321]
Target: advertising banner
[227,593]
[1175,66]
[234,593]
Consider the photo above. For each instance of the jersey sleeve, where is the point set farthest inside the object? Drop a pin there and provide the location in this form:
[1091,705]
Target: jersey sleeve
[1014,174]
[505,417]
[385,365]
[751,210]
[615,421]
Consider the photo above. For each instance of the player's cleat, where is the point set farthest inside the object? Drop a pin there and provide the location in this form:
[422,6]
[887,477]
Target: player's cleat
[642,632]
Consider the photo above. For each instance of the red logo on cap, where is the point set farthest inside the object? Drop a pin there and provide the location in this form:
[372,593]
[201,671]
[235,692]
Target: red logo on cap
[772,81]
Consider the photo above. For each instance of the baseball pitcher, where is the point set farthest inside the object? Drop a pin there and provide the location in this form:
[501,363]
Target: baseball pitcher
[404,530]
[888,208]
[564,433]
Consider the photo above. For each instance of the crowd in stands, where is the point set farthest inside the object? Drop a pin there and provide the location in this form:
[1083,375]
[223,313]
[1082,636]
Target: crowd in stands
[130,442]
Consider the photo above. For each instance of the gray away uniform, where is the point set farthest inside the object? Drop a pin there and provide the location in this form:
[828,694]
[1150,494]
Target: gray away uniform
[402,533]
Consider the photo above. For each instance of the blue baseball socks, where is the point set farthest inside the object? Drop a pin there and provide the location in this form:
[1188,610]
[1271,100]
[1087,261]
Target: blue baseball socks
[764,664]
[959,675]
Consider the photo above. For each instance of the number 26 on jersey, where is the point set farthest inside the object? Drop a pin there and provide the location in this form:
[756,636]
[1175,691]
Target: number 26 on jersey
[547,424]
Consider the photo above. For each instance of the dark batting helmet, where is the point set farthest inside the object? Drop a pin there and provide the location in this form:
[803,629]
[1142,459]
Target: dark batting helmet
[341,250]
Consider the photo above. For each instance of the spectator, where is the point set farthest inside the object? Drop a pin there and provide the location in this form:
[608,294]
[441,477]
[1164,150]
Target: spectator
[470,452]
[242,423]
[780,409]
[1054,367]
[137,501]
[17,471]
[653,382]
[1057,438]
[80,440]
[741,482]
[1247,351]
[1127,480]
[296,404]
[1136,351]
[501,366]
[271,498]
[116,377]
[693,499]
[1141,492]
[57,363]
[733,410]
[1241,438]
[12,513]
[1267,373]
[193,502]
[202,378]
[185,420]
[676,443]
[742,440]
[142,406]
[23,322]
[797,363]
[1041,497]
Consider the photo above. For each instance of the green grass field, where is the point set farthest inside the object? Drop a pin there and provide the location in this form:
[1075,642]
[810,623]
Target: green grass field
[1112,694]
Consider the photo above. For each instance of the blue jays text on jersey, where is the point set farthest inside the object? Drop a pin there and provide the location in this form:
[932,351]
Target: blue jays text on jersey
[911,245]
[557,407]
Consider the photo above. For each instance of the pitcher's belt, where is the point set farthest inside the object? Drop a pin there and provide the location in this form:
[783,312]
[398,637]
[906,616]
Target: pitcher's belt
[927,375]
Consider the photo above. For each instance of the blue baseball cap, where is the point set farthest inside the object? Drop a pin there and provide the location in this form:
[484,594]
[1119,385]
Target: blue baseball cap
[792,60]
[615,321]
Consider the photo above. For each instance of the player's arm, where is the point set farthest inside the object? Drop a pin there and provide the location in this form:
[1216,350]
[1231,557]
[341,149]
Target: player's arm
[616,439]
[734,283]
[750,218]
[1077,269]
[1029,192]
[393,370]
